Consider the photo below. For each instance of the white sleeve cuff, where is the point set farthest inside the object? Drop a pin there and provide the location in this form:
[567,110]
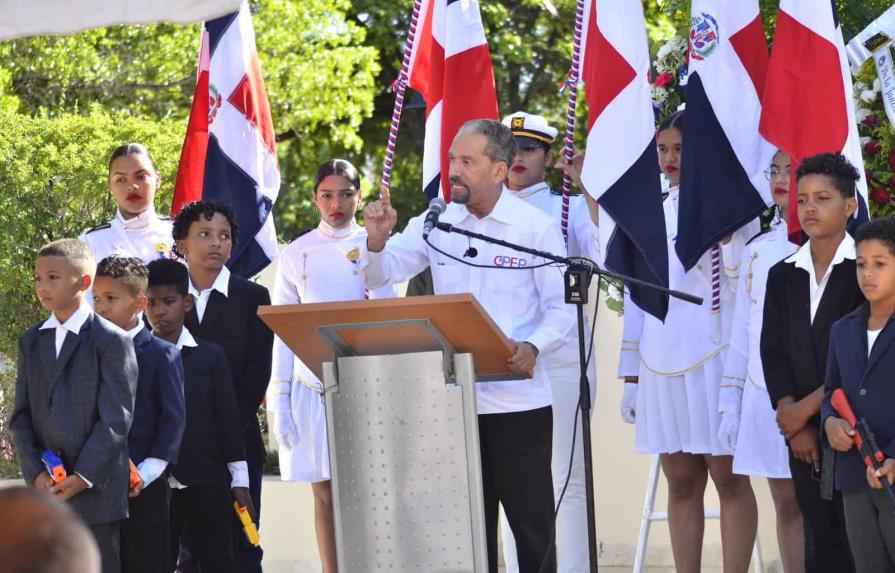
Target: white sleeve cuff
[87,481]
[150,469]
[239,474]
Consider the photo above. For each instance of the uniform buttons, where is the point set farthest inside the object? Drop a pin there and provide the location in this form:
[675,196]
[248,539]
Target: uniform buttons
[863,391]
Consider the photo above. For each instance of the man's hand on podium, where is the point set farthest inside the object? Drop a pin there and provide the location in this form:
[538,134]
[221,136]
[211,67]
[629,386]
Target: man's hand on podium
[379,220]
[523,359]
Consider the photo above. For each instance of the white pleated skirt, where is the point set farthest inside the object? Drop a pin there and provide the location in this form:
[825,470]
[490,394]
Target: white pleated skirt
[761,450]
[680,413]
[308,460]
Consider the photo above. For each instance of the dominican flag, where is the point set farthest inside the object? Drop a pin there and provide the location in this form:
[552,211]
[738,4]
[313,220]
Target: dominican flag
[451,67]
[229,153]
[621,167]
[809,103]
[723,186]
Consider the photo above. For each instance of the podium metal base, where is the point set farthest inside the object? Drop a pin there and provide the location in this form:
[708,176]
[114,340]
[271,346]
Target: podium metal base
[405,462]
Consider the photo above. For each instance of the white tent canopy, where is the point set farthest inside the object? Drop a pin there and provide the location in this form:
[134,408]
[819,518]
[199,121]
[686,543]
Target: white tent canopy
[20,18]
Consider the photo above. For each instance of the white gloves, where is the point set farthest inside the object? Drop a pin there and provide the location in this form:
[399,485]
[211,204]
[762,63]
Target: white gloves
[729,403]
[629,403]
[284,429]
[728,429]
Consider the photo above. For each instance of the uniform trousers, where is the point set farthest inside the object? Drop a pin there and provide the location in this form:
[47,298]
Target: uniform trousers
[826,541]
[870,522]
[572,554]
[205,513]
[516,450]
[146,533]
[108,541]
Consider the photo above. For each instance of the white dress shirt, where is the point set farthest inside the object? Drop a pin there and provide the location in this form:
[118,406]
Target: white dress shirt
[802,259]
[872,335]
[73,325]
[220,284]
[239,471]
[528,304]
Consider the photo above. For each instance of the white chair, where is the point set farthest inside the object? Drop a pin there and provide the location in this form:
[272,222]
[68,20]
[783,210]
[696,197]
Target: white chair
[650,516]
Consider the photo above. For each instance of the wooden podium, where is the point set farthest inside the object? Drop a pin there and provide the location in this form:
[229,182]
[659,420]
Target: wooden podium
[399,389]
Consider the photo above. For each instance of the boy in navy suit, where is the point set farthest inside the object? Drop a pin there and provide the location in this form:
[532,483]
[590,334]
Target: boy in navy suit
[119,295]
[226,312]
[211,468]
[861,362]
[75,385]
[806,293]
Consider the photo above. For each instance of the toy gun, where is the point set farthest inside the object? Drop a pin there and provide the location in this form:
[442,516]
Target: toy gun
[247,525]
[864,438]
[54,466]
[135,478]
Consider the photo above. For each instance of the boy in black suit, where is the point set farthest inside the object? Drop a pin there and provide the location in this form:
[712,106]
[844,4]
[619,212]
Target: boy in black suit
[862,359]
[77,375]
[119,296]
[211,465]
[806,293]
[226,312]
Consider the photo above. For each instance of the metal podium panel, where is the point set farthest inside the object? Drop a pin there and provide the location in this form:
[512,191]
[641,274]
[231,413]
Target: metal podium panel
[406,471]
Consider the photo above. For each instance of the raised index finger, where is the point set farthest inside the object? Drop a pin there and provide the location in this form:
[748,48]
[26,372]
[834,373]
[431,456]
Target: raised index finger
[384,195]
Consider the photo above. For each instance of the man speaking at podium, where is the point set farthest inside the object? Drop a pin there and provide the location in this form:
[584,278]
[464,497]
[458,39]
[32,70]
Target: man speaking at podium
[522,294]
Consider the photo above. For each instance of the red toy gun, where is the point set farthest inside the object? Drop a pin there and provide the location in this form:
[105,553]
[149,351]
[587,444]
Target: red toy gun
[864,438]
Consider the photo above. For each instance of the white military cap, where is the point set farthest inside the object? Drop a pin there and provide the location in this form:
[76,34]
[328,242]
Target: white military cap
[530,130]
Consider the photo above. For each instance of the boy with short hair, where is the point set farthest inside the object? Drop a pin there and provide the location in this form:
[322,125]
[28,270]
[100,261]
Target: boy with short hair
[861,363]
[75,386]
[211,465]
[226,312]
[119,295]
[806,293]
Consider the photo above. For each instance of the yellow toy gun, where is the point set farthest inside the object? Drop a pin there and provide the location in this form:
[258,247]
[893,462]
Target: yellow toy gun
[247,525]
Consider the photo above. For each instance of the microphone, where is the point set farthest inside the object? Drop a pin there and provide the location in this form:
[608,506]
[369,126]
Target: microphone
[471,252]
[436,208]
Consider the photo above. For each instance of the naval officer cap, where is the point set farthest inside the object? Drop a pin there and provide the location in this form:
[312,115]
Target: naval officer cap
[529,130]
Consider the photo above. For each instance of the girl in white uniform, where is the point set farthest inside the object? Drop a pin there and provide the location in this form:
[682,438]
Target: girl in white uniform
[136,230]
[674,397]
[748,423]
[322,265]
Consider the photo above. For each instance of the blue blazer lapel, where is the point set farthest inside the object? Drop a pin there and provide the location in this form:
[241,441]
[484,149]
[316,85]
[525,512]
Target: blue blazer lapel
[46,340]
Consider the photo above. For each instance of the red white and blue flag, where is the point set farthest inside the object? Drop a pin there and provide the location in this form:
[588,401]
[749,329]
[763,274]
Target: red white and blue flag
[451,67]
[809,103]
[229,153]
[724,157]
[621,167]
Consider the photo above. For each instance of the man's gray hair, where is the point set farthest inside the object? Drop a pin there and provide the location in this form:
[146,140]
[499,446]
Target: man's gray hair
[501,145]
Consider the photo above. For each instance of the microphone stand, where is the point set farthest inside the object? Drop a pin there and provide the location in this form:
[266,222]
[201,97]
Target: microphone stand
[577,280]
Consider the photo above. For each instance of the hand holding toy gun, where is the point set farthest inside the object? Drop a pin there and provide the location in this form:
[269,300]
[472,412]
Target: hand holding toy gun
[864,438]
[54,467]
[247,525]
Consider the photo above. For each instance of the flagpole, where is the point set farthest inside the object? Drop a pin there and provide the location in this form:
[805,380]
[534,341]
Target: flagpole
[400,86]
[584,400]
[571,84]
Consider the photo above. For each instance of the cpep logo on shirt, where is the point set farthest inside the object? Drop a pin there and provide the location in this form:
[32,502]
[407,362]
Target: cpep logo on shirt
[510,262]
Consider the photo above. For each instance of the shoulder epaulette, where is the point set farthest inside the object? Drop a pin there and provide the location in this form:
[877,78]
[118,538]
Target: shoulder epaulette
[164,218]
[559,192]
[763,232]
[99,228]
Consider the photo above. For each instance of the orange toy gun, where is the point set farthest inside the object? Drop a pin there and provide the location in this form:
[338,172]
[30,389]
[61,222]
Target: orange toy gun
[135,478]
[864,438]
[54,466]
[247,525]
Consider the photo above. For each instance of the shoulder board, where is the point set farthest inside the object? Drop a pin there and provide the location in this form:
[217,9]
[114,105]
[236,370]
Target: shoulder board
[759,234]
[99,227]
[559,192]
[164,218]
